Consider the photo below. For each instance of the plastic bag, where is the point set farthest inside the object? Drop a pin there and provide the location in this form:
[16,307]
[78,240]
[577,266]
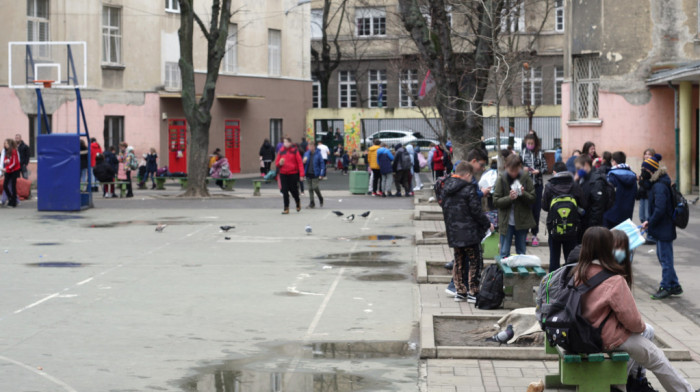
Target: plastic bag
[522,261]
[633,233]
[517,187]
[488,179]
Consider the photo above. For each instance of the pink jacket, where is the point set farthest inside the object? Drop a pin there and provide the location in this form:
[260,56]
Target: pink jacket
[612,295]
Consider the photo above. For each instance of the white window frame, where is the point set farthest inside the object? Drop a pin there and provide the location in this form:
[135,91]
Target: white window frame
[347,82]
[559,23]
[274,52]
[38,24]
[377,81]
[172,6]
[408,87]
[513,16]
[111,36]
[229,65]
[532,86]
[590,82]
[317,23]
[173,78]
[376,19]
[558,81]
[316,92]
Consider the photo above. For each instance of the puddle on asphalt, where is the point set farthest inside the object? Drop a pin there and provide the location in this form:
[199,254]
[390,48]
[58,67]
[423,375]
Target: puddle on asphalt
[360,259]
[317,367]
[46,243]
[57,264]
[61,217]
[378,237]
[388,277]
[108,225]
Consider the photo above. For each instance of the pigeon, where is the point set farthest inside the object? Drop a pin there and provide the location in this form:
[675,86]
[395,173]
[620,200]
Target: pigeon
[160,228]
[365,214]
[695,201]
[503,336]
[350,218]
[338,213]
[227,238]
[227,228]
[308,229]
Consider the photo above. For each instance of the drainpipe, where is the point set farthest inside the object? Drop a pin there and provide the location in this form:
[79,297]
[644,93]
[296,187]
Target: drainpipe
[677,132]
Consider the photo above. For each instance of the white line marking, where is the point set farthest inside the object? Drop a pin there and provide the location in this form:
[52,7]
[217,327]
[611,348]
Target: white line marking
[40,373]
[39,302]
[84,281]
[324,305]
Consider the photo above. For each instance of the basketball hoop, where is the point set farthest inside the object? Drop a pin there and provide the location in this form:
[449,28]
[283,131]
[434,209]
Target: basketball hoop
[46,83]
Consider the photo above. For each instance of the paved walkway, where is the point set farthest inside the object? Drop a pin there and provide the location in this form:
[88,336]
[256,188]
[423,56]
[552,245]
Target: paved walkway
[462,375]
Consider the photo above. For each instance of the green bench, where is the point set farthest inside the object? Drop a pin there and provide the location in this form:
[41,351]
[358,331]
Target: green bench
[257,184]
[518,284]
[587,372]
[122,185]
[228,183]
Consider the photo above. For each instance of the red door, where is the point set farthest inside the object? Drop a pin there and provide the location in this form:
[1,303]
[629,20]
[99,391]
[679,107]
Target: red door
[232,143]
[177,146]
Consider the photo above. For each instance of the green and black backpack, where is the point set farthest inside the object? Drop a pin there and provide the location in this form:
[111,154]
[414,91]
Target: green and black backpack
[563,219]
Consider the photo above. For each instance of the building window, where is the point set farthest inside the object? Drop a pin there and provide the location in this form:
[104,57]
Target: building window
[33,133]
[38,25]
[274,52]
[316,24]
[425,10]
[558,81]
[316,87]
[586,83]
[532,86]
[559,15]
[111,35]
[173,81]
[172,6]
[347,89]
[230,63]
[408,88]
[113,131]
[513,16]
[370,22]
[275,131]
[377,88]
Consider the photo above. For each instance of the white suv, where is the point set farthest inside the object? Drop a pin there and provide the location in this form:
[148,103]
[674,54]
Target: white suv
[394,137]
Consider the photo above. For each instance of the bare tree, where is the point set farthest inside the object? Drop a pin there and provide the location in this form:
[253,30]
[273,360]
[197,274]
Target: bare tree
[326,58]
[198,112]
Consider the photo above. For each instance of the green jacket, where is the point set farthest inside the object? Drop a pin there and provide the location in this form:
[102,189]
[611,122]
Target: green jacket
[523,204]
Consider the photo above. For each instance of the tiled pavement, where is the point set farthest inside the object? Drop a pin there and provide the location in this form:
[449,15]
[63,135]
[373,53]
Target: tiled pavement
[470,375]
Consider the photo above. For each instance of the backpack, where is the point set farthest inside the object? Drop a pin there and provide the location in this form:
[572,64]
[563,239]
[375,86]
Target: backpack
[438,188]
[132,163]
[681,213]
[609,194]
[563,321]
[491,292]
[447,161]
[563,219]
[406,163]
[225,171]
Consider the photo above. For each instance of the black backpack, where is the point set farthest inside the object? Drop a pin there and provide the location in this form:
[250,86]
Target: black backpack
[491,292]
[681,213]
[438,188]
[609,194]
[563,219]
[563,321]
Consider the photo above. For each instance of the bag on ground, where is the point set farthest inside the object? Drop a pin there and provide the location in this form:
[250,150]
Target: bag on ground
[563,219]
[491,292]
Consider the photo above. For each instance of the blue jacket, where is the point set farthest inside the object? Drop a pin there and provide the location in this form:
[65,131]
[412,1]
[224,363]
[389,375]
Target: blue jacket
[661,207]
[319,164]
[625,182]
[571,165]
[385,159]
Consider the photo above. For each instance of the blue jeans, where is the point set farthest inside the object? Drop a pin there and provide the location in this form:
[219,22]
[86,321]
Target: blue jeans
[507,241]
[643,210]
[664,250]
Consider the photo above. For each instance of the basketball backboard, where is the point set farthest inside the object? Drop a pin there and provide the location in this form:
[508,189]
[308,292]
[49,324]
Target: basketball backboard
[32,64]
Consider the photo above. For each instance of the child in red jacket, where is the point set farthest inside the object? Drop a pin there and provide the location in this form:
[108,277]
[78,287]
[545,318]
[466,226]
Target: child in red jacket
[11,170]
[291,170]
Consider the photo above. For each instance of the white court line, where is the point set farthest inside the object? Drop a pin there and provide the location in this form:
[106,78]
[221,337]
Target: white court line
[84,281]
[39,302]
[40,373]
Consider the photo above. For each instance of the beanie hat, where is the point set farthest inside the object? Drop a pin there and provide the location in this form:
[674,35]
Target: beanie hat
[652,164]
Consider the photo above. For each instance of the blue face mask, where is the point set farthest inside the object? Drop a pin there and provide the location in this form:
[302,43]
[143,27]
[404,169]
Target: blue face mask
[620,255]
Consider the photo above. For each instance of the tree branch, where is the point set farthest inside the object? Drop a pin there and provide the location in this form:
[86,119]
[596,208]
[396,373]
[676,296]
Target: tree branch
[201,25]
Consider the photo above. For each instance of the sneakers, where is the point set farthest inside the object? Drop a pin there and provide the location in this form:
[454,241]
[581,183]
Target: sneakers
[639,385]
[320,200]
[471,299]
[677,291]
[450,290]
[461,298]
[661,294]
[311,206]
[535,241]
[285,211]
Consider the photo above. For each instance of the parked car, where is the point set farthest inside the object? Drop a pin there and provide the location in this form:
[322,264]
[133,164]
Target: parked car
[392,137]
[424,144]
[491,144]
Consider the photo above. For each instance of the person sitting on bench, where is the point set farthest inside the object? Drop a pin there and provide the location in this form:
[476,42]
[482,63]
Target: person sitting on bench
[612,305]
[105,174]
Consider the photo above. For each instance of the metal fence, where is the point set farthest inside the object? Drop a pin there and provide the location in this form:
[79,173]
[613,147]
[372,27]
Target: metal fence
[548,129]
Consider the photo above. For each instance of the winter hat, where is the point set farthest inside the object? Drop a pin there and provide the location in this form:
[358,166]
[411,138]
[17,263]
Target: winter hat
[652,164]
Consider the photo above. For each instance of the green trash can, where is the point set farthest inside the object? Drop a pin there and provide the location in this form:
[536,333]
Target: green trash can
[359,182]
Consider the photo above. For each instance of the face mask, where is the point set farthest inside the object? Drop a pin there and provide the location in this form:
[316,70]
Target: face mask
[646,175]
[620,255]
[530,148]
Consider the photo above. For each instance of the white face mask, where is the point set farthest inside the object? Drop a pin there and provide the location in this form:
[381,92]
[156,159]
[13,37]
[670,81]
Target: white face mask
[620,255]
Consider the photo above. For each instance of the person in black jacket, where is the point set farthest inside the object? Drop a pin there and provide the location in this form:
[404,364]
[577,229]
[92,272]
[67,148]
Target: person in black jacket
[110,157]
[593,185]
[560,185]
[105,173]
[466,226]
[23,151]
[267,156]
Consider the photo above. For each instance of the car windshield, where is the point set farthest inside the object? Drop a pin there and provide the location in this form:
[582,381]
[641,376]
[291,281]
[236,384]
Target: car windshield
[418,135]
